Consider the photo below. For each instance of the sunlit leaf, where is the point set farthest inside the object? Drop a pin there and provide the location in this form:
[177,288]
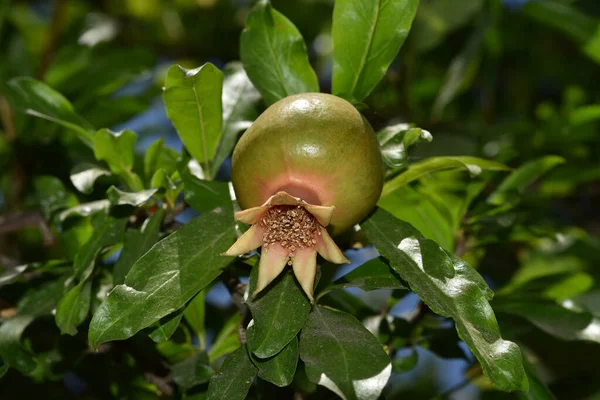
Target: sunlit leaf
[274,55]
[235,377]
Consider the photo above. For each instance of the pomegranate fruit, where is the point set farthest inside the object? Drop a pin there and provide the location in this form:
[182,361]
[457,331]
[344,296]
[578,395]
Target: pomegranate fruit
[309,162]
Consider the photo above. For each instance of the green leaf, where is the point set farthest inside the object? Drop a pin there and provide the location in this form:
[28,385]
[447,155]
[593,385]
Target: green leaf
[553,318]
[235,377]
[395,141]
[52,195]
[158,156]
[274,55]
[195,314]
[120,198]
[342,355]
[195,370]
[85,209]
[193,103]
[117,149]
[582,28]
[416,171]
[585,115]
[35,303]
[205,196]
[278,314]
[537,389]
[85,175]
[367,35]
[521,178]
[462,71]
[239,110]
[40,100]
[108,231]
[165,278]
[372,275]
[451,288]
[279,369]
[228,338]
[136,243]
[73,308]
[166,327]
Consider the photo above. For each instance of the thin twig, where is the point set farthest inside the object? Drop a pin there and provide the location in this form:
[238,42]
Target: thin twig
[22,220]
[50,47]
[237,290]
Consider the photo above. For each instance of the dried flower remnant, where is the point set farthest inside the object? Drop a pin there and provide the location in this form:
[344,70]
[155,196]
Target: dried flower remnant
[290,231]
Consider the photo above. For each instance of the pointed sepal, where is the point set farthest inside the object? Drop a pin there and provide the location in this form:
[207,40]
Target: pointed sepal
[272,261]
[305,269]
[250,240]
[327,248]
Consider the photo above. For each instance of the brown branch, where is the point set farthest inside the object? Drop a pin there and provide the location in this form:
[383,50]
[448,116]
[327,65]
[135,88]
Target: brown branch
[50,47]
[237,290]
[7,119]
[22,220]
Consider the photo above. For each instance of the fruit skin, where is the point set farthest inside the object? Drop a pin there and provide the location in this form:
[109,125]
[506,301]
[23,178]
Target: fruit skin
[314,146]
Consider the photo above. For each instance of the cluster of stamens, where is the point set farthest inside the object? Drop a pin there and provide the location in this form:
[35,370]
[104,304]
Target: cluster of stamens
[292,227]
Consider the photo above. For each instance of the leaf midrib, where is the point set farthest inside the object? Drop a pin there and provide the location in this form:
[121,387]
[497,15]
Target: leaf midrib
[367,50]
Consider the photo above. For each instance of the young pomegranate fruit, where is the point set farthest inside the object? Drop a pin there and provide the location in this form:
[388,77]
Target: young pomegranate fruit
[309,162]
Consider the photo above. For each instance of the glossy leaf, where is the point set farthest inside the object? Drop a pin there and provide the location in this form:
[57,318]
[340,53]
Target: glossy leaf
[235,377]
[453,289]
[158,156]
[108,231]
[553,318]
[274,55]
[193,102]
[136,243]
[166,327]
[117,149]
[279,369]
[416,171]
[85,209]
[73,308]
[119,198]
[395,141]
[239,110]
[85,175]
[278,314]
[205,196]
[52,195]
[537,389]
[367,35]
[165,278]
[520,179]
[193,371]
[40,100]
[372,275]
[342,355]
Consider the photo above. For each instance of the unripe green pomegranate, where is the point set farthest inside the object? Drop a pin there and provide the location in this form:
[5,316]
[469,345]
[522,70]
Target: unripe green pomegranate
[308,162]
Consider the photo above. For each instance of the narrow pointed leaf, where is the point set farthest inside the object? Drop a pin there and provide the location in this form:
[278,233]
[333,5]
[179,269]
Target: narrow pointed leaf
[194,314]
[235,377]
[342,355]
[367,35]
[119,198]
[451,288]
[205,196]
[193,103]
[108,230]
[165,278]
[40,100]
[395,141]
[73,308]
[166,327]
[415,171]
[279,313]
[274,55]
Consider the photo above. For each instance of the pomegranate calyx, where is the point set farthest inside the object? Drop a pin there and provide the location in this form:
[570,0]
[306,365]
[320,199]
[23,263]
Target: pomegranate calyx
[290,231]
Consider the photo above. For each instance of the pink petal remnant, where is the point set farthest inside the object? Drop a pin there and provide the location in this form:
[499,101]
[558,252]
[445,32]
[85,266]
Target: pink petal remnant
[290,231]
